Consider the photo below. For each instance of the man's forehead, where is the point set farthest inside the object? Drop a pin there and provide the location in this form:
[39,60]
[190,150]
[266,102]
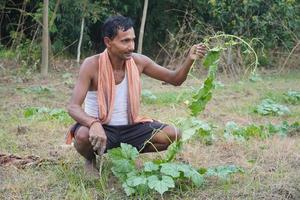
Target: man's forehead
[127,33]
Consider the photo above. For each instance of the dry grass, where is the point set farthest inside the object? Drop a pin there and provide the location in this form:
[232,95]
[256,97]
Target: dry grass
[272,166]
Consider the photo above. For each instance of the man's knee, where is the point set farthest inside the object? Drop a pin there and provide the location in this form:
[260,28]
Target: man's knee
[173,133]
[82,135]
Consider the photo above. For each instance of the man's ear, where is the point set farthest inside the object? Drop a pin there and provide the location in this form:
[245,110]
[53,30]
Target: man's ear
[107,41]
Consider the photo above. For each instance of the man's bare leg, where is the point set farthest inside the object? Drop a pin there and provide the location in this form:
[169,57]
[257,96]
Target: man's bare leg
[84,148]
[162,139]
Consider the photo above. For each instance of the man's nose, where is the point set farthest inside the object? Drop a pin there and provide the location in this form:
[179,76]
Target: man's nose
[131,46]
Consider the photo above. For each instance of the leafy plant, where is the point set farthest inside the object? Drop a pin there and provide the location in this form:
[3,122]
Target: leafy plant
[192,126]
[292,97]
[269,107]
[284,129]
[43,113]
[234,132]
[37,89]
[159,176]
[221,172]
[204,94]
[148,96]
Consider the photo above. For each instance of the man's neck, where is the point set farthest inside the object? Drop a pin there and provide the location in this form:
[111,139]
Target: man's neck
[117,63]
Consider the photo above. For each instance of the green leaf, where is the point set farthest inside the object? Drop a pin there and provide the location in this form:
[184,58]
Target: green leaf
[129,151]
[161,186]
[191,173]
[170,169]
[212,57]
[128,190]
[223,171]
[150,166]
[192,126]
[172,150]
[134,181]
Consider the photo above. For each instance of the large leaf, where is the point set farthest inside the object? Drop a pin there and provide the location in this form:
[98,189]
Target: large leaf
[212,57]
[162,185]
[128,190]
[150,167]
[134,181]
[129,151]
[170,169]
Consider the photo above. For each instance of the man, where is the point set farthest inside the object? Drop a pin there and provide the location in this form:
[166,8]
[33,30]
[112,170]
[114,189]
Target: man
[109,84]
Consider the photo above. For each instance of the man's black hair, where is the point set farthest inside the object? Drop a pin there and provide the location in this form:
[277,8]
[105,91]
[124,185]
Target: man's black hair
[113,24]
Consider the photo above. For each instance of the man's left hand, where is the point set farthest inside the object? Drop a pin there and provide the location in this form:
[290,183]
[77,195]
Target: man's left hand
[197,51]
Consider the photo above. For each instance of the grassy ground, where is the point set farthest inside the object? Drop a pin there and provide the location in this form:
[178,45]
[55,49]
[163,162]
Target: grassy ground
[272,166]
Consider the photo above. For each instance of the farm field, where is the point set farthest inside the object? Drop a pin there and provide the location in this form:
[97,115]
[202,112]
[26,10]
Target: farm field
[36,164]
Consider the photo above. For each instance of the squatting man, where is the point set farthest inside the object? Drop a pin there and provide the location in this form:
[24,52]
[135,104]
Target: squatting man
[109,84]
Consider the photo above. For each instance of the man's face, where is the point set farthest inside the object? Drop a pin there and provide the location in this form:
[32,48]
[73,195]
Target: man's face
[122,45]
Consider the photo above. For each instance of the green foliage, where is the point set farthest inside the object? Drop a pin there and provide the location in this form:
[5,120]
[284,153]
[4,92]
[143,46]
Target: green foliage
[6,53]
[160,176]
[204,94]
[269,107]
[43,113]
[234,132]
[192,126]
[292,97]
[37,89]
[148,96]
[222,171]
[284,129]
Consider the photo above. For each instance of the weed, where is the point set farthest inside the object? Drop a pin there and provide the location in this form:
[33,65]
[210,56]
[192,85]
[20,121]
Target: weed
[269,107]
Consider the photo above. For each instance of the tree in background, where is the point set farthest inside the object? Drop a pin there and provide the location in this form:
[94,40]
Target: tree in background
[44,66]
[142,28]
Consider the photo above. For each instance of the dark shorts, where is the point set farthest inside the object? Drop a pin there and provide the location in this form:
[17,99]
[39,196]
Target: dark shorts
[137,134]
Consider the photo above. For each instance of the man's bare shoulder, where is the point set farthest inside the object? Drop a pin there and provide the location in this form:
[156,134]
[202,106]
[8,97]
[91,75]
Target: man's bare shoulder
[141,60]
[90,63]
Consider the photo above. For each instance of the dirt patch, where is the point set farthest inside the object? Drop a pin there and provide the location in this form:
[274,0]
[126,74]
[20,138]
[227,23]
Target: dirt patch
[22,162]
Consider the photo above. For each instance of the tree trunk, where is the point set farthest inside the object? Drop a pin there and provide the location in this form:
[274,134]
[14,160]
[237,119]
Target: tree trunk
[141,35]
[44,67]
[80,40]
[50,26]
[81,33]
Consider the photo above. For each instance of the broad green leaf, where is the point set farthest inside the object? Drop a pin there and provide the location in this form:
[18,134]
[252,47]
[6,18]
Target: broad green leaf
[128,190]
[192,126]
[129,151]
[115,154]
[191,173]
[124,166]
[212,57]
[150,166]
[162,185]
[134,181]
[170,169]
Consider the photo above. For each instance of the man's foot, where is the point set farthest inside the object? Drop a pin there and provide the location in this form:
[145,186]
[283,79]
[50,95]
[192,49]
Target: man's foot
[91,170]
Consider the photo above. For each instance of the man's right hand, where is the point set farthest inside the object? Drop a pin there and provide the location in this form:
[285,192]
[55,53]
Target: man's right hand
[98,138]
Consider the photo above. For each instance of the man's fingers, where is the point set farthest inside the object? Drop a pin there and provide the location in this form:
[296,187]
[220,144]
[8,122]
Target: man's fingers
[102,149]
[97,145]
[93,140]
